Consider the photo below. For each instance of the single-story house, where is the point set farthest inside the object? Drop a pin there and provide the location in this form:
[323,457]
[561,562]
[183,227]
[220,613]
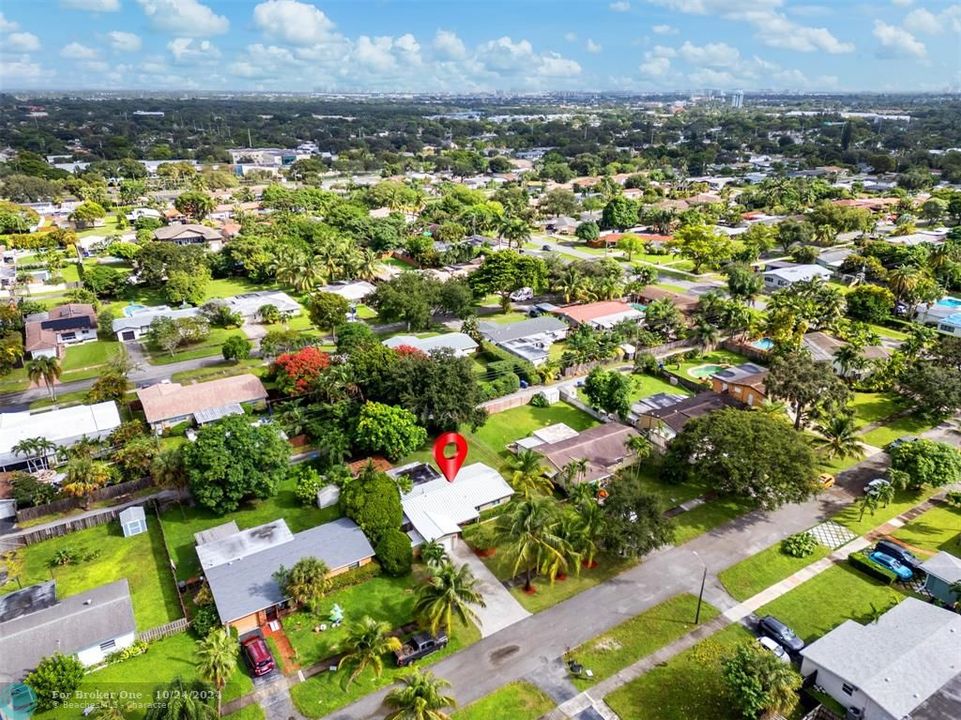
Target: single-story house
[658,401]
[745,382]
[353,292]
[783,276]
[143,212]
[824,347]
[249,304]
[833,259]
[945,314]
[529,340]
[664,423]
[943,570]
[62,426]
[170,403]
[884,670]
[461,344]
[561,224]
[682,301]
[89,625]
[545,436]
[601,315]
[435,509]
[240,566]
[48,332]
[190,234]
[136,321]
[603,446]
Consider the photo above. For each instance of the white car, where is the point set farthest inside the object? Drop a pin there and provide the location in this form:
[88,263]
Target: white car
[875,485]
[525,293]
[775,647]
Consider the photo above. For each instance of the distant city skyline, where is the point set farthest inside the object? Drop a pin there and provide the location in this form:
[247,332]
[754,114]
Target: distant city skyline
[473,46]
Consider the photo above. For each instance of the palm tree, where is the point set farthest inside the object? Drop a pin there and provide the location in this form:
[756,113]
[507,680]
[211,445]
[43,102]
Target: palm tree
[450,591]
[37,451]
[840,437]
[569,282]
[367,264]
[368,641]
[528,533]
[868,501]
[707,335]
[182,700]
[848,358]
[782,684]
[85,476]
[433,554]
[289,271]
[515,230]
[47,369]
[573,472]
[884,493]
[902,280]
[167,468]
[419,698]
[217,659]
[640,446]
[527,474]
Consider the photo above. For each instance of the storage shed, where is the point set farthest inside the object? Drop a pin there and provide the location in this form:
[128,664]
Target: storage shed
[133,521]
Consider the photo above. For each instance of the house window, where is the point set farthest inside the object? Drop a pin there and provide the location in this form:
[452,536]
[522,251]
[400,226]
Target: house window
[848,689]
[67,336]
[108,646]
[354,565]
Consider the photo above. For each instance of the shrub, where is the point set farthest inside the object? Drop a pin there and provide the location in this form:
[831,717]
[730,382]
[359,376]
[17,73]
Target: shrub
[309,482]
[395,553]
[204,620]
[539,401]
[799,545]
[645,363]
[522,368]
[55,679]
[355,577]
[504,385]
[139,647]
[861,562]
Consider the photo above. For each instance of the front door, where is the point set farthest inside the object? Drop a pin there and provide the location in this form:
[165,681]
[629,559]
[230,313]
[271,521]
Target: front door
[271,613]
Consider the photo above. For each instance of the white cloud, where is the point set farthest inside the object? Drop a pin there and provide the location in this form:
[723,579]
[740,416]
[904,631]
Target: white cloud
[24,70]
[506,57]
[22,42]
[897,42]
[593,47]
[664,30]
[7,25]
[76,51]
[184,17]
[620,6]
[294,22]
[654,66]
[448,46]
[713,54]
[97,66]
[929,23]
[191,50]
[124,41]
[92,5]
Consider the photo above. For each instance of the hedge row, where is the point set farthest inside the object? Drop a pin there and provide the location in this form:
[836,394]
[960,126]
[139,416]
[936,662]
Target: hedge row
[861,562]
[522,368]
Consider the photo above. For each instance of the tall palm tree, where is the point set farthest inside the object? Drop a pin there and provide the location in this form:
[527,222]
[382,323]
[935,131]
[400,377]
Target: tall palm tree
[289,271]
[368,641]
[182,700]
[37,451]
[527,474]
[47,369]
[840,438]
[420,697]
[367,264]
[433,554]
[528,532]
[849,357]
[217,660]
[569,282]
[902,280]
[84,477]
[707,335]
[640,446]
[573,472]
[450,591]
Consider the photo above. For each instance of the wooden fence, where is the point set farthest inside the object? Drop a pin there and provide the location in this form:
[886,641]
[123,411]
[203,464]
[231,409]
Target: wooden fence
[67,504]
[161,631]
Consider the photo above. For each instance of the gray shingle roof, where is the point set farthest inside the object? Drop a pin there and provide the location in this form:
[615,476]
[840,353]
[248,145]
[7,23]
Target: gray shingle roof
[75,623]
[943,566]
[498,333]
[245,586]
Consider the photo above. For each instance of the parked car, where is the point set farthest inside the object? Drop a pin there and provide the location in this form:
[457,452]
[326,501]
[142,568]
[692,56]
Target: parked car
[770,626]
[258,655]
[420,645]
[525,293]
[775,648]
[887,562]
[901,554]
[898,443]
[875,485]
[546,248]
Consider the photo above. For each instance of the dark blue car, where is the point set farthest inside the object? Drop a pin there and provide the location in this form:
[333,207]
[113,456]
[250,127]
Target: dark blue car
[881,559]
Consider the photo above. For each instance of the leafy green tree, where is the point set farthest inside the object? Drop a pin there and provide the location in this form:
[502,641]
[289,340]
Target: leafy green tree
[742,282]
[217,660]
[808,385]
[925,463]
[744,453]
[183,700]
[632,518]
[410,298]
[934,389]
[794,232]
[373,502]
[187,287]
[760,683]
[441,390]
[236,348]
[55,678]
[663,318]
[391,431]
[587,231]
[448,592]
[420,697]
[87,213]
[306,582]
[609,390]
[367,642]
[194,203]
[394,553]
[870,303]
[232,461]
[506,271]
[620,213]
[703,246]
[630,244]
[108,386]
[328,310]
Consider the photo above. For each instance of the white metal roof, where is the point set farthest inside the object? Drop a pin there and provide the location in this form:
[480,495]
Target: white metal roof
[453,341]
[63,426]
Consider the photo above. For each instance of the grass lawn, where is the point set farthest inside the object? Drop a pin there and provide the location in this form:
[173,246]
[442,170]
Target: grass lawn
[937,529]
[366,313]
[504,318]
[903,500]
[224,369]
[166,659]
[706,517]
[322,694]
[384,598]
[672,495]
[300,323]
[515,701]
[180,524]
[888,332]
[640,636]
[643,386]
[70,273]
[207,348]
[228,287]
[899,427]
[546,595]
[689,685]
[63,399]
[874,407]
[140,559]
[825,601]
[751,576]
[248,712]
[87,355]
[678,365]
[14,381]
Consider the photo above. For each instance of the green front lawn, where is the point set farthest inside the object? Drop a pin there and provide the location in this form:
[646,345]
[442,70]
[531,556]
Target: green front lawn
[640,636]
[504,318]
[140,559]
[180,523]
[689,685]
[708,516]
[228,287]
[903,500]
[247,712]
[515,701]
[170,657]
[874,407]
[643,386]
[207,348]
[546,595]
[899,427]
[322,694]
[220,370]
[825,601]
[937,529]
[758,572]
[87,355]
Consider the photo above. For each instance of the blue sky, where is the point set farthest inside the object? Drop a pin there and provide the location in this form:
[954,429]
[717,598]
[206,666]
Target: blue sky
[475,45]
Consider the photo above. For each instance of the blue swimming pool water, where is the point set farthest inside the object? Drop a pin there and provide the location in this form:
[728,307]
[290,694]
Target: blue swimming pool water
[133,309]
[638,306]
[950,302]
[763,344]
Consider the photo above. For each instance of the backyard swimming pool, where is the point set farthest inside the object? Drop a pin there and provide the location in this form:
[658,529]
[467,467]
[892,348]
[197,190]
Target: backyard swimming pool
[763,344]
[703,371]
[950,302]
[133,309]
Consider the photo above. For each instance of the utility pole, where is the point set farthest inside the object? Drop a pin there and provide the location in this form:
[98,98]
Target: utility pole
[700,595]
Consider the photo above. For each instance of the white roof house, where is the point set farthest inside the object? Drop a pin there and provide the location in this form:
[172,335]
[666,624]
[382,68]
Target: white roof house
[460,343]
[353,292]
[546,435]
[784,276]
[435,509]
[64,426]
[887,668]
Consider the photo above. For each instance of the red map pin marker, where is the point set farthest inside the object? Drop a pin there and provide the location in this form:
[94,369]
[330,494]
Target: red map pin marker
[450,466]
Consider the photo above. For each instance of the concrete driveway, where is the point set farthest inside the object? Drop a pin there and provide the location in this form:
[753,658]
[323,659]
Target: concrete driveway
[502,608]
